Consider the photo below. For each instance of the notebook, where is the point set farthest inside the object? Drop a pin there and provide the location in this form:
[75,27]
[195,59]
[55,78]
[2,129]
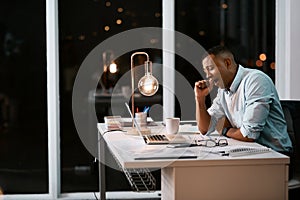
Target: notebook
[157,138]
[244,151]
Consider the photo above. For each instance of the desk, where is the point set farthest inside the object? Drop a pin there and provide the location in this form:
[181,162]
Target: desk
[209,176]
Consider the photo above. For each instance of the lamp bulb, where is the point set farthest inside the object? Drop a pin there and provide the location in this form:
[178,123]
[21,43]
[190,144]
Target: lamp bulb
[113,68]
[148,85]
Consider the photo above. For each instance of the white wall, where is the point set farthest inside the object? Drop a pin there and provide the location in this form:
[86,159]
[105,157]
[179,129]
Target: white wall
[287,49]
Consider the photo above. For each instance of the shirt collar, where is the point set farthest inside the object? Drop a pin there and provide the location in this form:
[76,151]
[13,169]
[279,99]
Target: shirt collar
[237,80]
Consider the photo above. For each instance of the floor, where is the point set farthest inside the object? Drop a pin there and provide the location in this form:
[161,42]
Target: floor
[294,194]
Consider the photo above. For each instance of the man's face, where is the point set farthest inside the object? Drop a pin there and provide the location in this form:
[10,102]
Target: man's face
[213,70]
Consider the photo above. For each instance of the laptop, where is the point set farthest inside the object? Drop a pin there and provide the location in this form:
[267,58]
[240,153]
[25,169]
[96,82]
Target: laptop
[158,138]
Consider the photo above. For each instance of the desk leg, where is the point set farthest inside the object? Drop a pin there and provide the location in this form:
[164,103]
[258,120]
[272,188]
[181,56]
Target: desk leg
[101,151]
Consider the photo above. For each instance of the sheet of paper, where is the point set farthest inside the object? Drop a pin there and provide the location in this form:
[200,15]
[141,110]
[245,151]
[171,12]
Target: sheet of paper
[164,153]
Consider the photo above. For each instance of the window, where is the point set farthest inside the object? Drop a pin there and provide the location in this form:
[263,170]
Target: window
[82,26]
[23,98]
[246,27]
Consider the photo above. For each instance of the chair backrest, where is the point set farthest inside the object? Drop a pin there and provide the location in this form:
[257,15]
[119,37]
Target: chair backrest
[291,110]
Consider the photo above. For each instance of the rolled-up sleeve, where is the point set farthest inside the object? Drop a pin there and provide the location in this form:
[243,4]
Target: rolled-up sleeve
[258,96]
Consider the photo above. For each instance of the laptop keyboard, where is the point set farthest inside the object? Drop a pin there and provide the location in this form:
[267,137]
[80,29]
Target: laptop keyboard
[153,139]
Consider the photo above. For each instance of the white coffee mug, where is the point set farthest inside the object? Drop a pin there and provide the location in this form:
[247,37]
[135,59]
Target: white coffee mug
[172,125]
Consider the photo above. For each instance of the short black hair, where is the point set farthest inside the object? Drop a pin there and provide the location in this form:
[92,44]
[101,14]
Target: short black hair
[216,50]
[219,49]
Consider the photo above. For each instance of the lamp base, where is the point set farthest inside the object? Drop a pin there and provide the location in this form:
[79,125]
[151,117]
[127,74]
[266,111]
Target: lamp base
[134,131]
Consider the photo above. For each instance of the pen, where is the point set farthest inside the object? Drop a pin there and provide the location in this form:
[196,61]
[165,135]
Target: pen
[222,153]
[181,145]
[146,109]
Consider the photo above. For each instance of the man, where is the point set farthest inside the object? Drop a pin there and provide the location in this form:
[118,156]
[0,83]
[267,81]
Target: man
[246,98]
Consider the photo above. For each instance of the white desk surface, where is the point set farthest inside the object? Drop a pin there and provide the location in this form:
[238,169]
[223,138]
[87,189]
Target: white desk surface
[126,148]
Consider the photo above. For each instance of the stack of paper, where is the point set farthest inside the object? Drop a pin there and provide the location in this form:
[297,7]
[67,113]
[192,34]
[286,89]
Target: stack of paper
[113,122]
[127,122]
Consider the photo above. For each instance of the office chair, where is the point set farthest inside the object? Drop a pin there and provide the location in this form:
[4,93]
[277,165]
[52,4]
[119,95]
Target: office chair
[291,110]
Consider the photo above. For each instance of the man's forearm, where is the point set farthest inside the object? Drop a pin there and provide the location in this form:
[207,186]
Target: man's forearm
[235,133]
[202,116]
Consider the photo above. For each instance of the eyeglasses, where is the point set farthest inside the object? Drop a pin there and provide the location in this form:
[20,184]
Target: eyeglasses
[211,143]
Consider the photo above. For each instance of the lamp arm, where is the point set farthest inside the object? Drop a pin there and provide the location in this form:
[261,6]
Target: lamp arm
[132,80]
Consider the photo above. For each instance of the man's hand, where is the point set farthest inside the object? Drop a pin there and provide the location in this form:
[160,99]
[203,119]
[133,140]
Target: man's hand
[202,88]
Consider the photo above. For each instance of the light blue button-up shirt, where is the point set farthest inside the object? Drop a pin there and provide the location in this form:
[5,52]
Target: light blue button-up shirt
[252,104]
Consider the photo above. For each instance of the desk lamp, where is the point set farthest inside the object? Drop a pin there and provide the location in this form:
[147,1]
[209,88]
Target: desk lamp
[147,85]
[110,71]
